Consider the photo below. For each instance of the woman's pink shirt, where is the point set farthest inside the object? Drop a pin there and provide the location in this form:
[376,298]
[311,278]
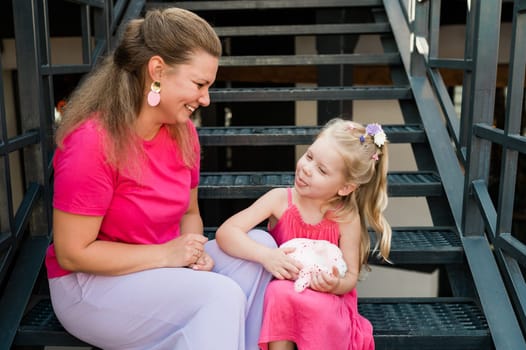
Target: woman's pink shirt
[139,207]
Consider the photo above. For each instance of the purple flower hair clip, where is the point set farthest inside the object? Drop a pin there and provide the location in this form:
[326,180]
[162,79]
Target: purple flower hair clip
[377,133]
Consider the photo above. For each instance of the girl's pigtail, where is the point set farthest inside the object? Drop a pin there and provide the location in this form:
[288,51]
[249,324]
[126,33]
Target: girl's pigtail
[373,202]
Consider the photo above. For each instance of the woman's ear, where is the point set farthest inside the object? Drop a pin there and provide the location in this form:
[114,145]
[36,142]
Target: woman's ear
[155,67]
[347,189]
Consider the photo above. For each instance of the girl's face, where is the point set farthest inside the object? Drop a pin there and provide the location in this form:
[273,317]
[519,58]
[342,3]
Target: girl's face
[184,88]
[320,171]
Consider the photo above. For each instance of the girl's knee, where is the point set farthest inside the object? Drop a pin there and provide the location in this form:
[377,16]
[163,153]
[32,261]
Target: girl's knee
[263,237]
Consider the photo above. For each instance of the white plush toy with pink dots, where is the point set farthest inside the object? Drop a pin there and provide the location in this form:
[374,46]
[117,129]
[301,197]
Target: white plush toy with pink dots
[315,256]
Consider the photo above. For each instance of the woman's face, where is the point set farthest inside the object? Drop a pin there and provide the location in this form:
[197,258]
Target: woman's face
[184,88]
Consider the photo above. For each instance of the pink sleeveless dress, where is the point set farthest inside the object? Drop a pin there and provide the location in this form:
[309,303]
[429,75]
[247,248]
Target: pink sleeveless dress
[313,320]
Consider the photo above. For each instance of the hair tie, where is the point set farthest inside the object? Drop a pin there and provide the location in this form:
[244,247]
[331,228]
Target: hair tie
[349,126]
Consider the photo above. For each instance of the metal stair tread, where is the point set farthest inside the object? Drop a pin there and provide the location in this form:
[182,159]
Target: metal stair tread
[389,58]
[253,184]
[424,316]
[292,135]
[304,29]
[204,5]
[423,245]
[392,317]
[413,245]
[311,93]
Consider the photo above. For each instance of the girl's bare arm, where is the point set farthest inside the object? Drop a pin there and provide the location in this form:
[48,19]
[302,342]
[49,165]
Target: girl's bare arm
[233,239]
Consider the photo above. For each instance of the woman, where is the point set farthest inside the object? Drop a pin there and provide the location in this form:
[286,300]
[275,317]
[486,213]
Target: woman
[129,267]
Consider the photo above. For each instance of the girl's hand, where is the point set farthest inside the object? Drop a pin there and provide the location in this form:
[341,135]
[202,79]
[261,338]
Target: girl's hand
[185,250]
[324,282]
[203,263]
[282,266]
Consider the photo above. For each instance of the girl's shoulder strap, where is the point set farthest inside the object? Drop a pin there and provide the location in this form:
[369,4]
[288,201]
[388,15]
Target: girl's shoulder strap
[289,196]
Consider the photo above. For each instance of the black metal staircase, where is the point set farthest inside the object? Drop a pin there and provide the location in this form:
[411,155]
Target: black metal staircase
[473,309]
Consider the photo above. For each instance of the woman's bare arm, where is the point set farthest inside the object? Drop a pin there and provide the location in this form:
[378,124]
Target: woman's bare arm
[77,248]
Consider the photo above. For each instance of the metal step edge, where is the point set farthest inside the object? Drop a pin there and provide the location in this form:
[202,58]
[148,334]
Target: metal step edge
[196,5]
[311,94]
[304,30]
[292,135]
[222,185]
[391,58]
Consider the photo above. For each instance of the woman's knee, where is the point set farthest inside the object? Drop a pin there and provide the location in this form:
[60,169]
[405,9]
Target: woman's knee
[229,291]
[263,237]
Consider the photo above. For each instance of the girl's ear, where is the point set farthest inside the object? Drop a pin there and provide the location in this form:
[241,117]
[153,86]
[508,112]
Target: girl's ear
[155,67]
[347,189]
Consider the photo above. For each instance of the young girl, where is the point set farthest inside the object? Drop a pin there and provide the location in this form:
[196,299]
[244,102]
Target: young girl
[340,188]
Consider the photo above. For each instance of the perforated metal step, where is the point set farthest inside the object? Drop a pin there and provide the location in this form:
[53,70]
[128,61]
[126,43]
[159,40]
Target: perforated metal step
[424,245]
[401,323]
[254,184]
[301,60]
[413,245]
[311,94]
[207,5]
[41,326]
[298,30]
[292,135]
[426,323]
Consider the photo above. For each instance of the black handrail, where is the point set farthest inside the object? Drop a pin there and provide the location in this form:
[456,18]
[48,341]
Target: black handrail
[25,223]
[491,248]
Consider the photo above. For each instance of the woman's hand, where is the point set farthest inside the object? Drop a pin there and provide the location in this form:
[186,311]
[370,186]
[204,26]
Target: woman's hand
[203,263]
[185,250]
[281,265]
[324,282]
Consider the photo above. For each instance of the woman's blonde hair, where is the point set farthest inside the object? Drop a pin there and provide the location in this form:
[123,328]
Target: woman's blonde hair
[365,154]
[115,89]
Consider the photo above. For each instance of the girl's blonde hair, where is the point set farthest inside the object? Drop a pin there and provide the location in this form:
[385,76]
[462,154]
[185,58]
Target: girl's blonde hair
[366,164]
[115,89]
